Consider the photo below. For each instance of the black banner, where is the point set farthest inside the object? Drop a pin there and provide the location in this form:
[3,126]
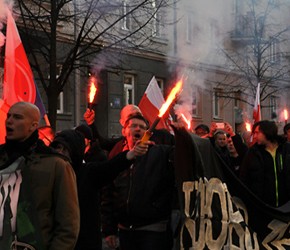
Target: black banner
[218,210]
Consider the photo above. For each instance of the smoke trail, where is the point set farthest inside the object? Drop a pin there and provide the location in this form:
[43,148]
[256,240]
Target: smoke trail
[205,28]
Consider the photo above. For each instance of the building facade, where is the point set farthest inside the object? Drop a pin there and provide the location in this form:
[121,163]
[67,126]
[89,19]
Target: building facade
[221,49]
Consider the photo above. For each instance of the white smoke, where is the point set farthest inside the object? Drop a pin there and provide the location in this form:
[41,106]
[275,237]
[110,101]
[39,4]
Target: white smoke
[205,26]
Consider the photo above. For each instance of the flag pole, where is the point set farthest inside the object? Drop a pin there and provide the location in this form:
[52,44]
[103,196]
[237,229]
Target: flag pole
[47,122]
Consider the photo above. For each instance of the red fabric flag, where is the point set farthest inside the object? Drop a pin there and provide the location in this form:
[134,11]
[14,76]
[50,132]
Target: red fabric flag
[257,109]
[18,82]
[3,113]
[150,104]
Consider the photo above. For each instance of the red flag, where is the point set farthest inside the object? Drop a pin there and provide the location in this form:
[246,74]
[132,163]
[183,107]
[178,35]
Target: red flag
[3,113]
[18,82]
[150,104]
[257,109]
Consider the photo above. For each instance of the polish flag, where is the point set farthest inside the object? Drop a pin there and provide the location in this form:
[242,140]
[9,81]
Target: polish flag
[257,108]
[150,104]
[18,82]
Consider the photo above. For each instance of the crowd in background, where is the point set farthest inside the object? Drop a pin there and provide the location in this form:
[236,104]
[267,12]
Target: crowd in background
[124,187]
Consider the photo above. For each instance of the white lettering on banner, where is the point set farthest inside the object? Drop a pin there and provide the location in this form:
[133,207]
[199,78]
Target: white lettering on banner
[10,182]
[275,238]
[202,217]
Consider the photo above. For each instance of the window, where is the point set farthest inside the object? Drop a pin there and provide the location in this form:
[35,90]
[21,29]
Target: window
[274,3]
[196,101]
[129,81]
[216,106]
[261,26]
[274,55]
[156,24]
[60,104]
[237,99]
[213,33]
[188,30]
[160,83]
[126,21]
[273,106]
[60,100]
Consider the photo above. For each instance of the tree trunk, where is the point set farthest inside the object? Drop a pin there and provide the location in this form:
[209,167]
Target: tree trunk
[52,107]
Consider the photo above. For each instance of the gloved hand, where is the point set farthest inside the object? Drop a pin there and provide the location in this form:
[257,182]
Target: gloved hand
[89,116]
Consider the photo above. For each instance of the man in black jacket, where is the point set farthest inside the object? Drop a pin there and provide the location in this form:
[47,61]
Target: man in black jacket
[138,204]
[266,166]
[91,177]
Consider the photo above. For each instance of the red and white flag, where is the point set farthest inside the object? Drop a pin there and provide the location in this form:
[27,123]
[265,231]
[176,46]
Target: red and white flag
[150,104]
[257,108]
[18,82]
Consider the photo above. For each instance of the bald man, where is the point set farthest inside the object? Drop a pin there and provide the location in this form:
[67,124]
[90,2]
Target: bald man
[22,120]
[39,205]
[127,111]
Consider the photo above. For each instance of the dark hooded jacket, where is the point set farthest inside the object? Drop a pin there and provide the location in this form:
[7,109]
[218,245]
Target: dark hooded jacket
[74,141]
[91,177]
[267,179]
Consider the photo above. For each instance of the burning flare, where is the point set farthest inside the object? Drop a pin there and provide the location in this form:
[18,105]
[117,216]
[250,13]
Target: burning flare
[285,114]
[248,127]
[93,91]
[163,109]
[170,98]
[186,121]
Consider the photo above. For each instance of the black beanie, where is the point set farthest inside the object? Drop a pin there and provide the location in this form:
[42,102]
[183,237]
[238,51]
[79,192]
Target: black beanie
[85,130]
[74,141]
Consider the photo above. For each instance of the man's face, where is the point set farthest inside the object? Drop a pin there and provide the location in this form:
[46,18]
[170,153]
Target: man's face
[230,145]
[259,137]
[134,131]
[19,123]
[201,132]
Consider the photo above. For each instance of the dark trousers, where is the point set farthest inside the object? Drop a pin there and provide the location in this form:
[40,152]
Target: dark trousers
[145,240]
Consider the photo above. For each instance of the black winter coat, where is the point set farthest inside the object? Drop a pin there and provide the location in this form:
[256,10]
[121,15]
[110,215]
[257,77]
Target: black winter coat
[269,181]
[91,177]
[141,195]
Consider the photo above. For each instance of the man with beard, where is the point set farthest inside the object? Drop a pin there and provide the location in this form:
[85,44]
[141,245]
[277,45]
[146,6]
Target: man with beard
[138,204]
[39,206]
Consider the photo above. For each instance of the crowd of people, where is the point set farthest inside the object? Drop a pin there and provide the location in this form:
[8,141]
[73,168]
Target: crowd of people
[68,190]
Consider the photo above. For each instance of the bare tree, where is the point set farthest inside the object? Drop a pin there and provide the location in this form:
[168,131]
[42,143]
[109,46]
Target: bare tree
[70,32]
[257,52]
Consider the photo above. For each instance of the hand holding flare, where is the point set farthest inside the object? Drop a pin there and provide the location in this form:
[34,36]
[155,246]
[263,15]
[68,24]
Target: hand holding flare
[163,109]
